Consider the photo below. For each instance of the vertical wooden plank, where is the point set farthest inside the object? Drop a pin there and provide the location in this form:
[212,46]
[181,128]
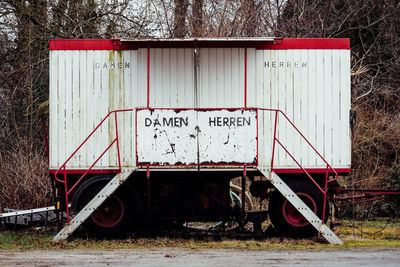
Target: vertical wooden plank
[213,76]
[304,111]
[251,75]
[173,62]
[156,77]
[74,109]
[236,83]
[320,100]
[92,72]
[142,77]
[69,71]
[272,56]
[181,78]
[61,107]
[94,102]
[53,109]
[327,109]
[80,103]
[345,101]
[335,109]
[264,99]
[136,100]
[312,104]
[203,68]
[107,96]
[166,77]
[227,76]
[219,77]
[283,105]
[294,89]
[189,79]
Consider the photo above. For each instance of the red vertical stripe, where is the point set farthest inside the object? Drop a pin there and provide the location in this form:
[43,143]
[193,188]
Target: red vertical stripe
[148,77]
[245,78]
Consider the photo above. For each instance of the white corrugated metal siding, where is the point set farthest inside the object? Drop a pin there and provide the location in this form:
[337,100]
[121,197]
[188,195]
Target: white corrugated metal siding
[84,87]
[312,87]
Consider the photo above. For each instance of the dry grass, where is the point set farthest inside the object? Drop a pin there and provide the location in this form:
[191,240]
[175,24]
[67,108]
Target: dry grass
[375,148]
[388,237]
[24,180]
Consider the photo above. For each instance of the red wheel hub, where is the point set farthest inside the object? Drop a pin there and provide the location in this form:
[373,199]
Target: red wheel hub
[293,216]
[110,213]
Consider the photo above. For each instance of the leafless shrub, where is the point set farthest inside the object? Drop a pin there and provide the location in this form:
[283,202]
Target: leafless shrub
[24,182]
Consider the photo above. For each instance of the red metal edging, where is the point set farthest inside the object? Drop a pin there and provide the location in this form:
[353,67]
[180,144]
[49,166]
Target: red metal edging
[266,44]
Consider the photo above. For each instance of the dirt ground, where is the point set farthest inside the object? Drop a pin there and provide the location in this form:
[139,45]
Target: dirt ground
[200,257]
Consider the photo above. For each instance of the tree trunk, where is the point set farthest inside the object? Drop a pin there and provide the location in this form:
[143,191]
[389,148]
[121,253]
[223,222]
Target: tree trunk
[180,11]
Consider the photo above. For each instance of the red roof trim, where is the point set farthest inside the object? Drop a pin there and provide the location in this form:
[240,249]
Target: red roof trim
[278,44]
[285,44]
[89,44]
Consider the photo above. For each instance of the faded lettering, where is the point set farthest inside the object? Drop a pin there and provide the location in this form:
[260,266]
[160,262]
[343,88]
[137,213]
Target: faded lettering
[285,64]
[167,122]
[112,65]
[228,121]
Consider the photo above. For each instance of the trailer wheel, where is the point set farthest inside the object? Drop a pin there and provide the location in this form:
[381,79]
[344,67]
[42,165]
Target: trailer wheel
[286,219]
[113,217]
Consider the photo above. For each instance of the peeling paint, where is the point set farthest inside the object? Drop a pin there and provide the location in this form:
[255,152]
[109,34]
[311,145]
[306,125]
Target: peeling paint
[203,139]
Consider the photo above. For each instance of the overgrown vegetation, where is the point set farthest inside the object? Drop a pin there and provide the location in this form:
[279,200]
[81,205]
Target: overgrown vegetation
[27,26]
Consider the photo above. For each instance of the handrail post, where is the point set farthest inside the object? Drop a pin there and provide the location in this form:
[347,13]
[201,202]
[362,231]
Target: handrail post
[244,193]
[325,193]
[66,193]
[116,136]
[274,141]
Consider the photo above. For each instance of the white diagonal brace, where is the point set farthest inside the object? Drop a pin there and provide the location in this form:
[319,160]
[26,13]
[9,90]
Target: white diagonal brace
[291,196]
[104,193]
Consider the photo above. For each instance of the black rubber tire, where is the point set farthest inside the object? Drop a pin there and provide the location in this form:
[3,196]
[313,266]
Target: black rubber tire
[101,223]
[288,221]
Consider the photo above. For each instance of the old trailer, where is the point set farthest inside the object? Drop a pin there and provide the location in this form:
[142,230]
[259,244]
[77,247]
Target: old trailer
[155,129]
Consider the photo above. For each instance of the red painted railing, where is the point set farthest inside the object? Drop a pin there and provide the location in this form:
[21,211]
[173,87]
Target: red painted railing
[62,169]
[328,166]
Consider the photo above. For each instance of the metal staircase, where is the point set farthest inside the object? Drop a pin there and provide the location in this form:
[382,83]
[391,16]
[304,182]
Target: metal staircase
[81,217]
[291,196]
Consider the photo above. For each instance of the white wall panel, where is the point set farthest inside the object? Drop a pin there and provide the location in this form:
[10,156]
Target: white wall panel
[85,86]
[171,78]
[221,77]
[312,88]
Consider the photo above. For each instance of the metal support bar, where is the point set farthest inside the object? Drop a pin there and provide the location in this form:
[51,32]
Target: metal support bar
[291,196]
[104,193]
[244,193]
[26,212]
[148,197]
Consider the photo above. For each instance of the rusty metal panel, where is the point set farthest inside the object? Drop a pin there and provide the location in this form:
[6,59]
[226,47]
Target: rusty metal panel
[192,137]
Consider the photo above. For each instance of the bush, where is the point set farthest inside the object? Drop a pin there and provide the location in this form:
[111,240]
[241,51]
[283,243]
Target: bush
[24,179]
